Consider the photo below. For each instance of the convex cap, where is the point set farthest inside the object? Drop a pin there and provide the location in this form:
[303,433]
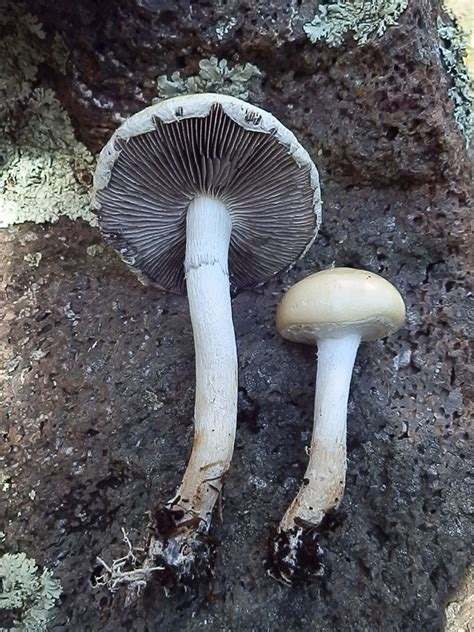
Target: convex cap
[331,303]
[163,157]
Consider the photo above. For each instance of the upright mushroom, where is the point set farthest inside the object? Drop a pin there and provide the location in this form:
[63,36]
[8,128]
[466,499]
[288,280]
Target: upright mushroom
[337,309]
[182,189]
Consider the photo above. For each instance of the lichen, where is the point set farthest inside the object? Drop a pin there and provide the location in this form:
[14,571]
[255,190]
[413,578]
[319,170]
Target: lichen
[214,76]
[27,596]
[225,26]
[361,18]
[40,187]
[453,51]
[44,171]
[59,53]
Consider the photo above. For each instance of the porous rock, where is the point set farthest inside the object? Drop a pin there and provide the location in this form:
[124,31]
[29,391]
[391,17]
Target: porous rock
[98,371]
[379,113]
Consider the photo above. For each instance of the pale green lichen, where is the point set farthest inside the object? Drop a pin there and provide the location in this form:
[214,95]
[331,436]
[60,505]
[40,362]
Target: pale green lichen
[453,51]
[44,171]
[27,596]
[214,76]
[33,259]
[38,186]
[225,26]
[18,71]
[362,18]
[59,53]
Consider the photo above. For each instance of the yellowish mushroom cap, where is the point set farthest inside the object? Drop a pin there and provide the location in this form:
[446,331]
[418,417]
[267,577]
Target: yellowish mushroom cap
[332,303]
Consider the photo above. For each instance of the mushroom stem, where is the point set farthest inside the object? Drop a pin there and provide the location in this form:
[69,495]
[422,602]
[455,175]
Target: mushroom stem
[335,308]
[207,246]
[325,475]
[179,549]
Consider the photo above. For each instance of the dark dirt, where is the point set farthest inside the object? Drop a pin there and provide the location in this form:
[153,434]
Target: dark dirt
[98,380]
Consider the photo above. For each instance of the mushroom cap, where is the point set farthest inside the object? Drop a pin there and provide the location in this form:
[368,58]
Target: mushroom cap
[334,302]
[163,157]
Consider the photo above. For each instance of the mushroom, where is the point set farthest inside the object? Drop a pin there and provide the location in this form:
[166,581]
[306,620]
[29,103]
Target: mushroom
[192,191]
[335,309]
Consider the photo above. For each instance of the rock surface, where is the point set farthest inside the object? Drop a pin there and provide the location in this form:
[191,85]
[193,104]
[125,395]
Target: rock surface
[98,370]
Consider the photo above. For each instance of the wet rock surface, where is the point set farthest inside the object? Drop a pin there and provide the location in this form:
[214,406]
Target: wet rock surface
[98,375]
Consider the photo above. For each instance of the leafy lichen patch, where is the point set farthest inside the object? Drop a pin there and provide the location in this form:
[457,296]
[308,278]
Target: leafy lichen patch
[44,170]
[214,75]
[38,187]
[27,595]
[225,26]
[453,51]
[361,18]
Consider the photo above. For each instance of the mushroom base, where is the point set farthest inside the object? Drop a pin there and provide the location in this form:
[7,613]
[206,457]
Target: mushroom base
[182,549]
[177,554]
[295,556]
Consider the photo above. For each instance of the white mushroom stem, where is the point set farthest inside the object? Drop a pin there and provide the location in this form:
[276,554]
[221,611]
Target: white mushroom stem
[325,475]
[206,266]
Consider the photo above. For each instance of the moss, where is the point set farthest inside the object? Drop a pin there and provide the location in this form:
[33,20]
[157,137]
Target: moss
[44,171]
[361,18]
[27,596]
[453,51]
[214,76]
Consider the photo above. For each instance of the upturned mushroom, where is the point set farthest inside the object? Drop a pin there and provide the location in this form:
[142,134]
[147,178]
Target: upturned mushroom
[335,309]
[192,191]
